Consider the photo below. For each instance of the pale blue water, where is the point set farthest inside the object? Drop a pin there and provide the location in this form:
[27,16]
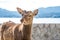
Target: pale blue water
[35,20]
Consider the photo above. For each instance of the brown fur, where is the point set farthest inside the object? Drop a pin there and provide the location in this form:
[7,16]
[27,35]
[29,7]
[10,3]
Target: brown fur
[5,27]
[9,31]
[12,31]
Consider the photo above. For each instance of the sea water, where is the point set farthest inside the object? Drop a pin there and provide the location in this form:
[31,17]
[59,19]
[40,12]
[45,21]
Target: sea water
[35,20]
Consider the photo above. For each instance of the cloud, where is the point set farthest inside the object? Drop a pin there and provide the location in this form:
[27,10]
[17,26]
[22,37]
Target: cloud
[27,4]
[3,1]
[9,5]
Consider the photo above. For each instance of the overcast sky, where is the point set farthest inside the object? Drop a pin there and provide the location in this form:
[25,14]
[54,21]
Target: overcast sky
[27,4]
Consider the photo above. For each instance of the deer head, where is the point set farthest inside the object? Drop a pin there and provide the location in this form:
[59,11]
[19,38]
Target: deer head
[27,16]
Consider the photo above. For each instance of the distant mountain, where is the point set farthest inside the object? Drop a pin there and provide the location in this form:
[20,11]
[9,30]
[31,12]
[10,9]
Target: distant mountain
[9,14]
[49,12]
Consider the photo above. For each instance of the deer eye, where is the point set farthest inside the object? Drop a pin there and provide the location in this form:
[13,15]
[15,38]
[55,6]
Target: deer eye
[29,15]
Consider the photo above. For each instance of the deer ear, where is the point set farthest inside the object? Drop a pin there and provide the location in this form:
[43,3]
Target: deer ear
[35,12]
[20,10]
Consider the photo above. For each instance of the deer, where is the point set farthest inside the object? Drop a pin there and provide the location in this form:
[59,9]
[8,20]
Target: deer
[21,31]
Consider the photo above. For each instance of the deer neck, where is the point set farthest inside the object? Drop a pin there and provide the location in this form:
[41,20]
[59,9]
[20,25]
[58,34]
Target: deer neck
[27,32]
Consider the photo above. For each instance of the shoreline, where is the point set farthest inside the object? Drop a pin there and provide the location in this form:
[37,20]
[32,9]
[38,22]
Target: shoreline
[35,20]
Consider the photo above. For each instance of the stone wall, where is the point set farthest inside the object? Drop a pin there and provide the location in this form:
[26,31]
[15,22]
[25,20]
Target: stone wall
[46,32]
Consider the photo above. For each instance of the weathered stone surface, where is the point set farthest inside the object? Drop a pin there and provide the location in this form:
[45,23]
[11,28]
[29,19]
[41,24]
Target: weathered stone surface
[46,32]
